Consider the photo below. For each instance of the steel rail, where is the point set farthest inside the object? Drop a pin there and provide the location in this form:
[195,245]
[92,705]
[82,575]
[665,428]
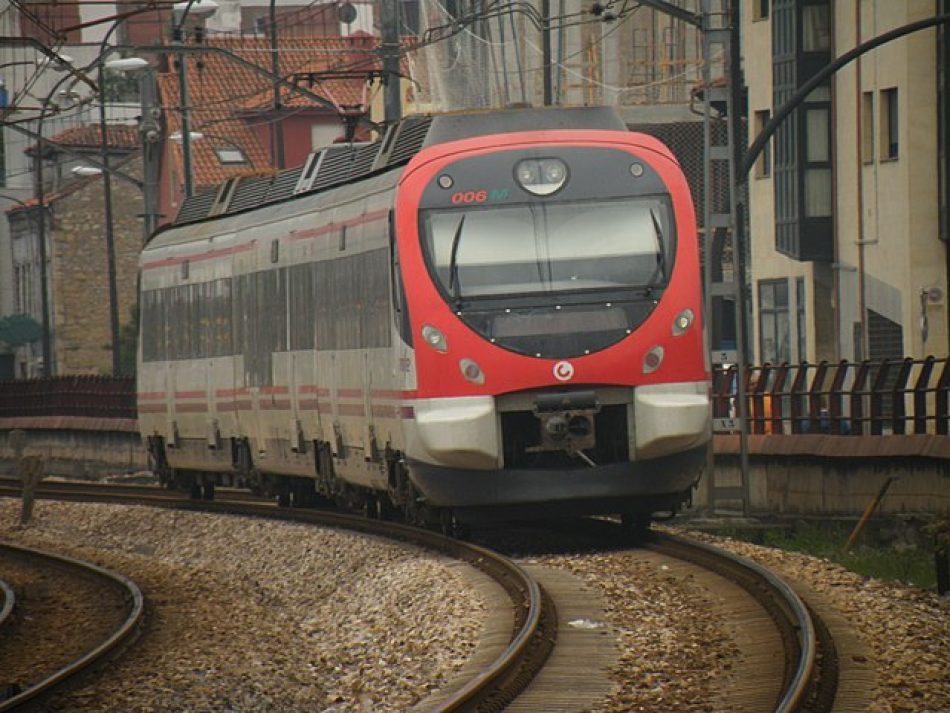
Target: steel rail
[9,601]
[123,635]
[11,486]
[799,620]
[789,612]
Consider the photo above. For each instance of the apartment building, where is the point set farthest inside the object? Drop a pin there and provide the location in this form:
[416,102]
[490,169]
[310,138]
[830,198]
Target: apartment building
[848,204]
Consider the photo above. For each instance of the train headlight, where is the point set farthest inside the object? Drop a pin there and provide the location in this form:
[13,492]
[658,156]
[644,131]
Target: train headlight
[434,338]
[652,360]
[472,371]
[683,321]
[541,176]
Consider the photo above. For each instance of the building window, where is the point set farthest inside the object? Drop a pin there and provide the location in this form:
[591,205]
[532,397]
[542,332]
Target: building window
[817,162]
[774,346]
[409,17]
[800,318]
[230,156]
[802,172]
[763,167]
[867,127]
[760,9]
[17,290]
[889,125]
[322,135]
[816,28]
[817,138]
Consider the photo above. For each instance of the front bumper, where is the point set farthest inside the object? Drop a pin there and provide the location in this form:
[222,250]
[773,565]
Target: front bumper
[643,486]
[466,432]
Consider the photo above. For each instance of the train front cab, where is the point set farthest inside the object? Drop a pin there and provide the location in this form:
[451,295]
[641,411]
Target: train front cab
[553,288]
[607,450]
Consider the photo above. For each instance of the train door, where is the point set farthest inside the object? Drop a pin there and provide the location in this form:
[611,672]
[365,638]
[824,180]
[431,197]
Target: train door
[171,386]
[295,424]
[370,450]
[210,329]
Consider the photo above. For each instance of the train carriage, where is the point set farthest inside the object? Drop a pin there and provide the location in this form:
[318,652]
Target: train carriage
[479,316]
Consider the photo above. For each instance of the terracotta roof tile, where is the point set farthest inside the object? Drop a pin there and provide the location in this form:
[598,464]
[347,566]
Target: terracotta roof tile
[68,188]
[118,136]
[226,97]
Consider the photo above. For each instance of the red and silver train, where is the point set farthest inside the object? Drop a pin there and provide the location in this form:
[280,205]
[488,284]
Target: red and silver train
[488,315]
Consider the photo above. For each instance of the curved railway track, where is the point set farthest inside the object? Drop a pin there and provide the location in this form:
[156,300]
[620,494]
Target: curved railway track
[489,689]
[121,636]
[808,681]
[9,601]
[792,663]
[804,681]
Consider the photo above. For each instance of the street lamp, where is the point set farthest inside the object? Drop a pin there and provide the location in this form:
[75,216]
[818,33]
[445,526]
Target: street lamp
[59,63]
[127,64]
[200,9]
[123,64]
[41,230]
[84,171]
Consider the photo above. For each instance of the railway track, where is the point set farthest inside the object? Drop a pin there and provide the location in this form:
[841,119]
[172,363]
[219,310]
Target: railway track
[7,602]
[63,489]
[490,688]
[804,666]
[801,674]
[66,623]
[787,659]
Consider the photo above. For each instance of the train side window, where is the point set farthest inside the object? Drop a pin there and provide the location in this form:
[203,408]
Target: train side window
[343,237]
[400,311]
[185,265]
[274,250]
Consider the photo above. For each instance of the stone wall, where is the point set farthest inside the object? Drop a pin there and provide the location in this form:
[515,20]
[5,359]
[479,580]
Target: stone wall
[81,319]
[80,453]
[823,475]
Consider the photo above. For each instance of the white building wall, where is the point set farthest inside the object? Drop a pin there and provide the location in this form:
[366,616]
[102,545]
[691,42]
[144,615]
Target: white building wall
[886,214]
[887,208]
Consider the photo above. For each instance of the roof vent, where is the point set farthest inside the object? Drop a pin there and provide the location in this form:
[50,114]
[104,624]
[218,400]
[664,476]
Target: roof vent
[222,198]
[310,169]
[195,207]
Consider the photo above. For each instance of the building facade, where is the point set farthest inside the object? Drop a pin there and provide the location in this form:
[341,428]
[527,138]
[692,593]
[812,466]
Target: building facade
[77,280]
[849,260]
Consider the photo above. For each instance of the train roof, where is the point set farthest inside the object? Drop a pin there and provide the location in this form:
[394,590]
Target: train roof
[339,164]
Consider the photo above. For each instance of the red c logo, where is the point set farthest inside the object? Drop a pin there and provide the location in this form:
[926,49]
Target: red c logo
[564,371]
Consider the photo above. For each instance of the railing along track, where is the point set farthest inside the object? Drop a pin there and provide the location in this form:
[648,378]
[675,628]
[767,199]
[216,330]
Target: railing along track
[494,686]
[121,637]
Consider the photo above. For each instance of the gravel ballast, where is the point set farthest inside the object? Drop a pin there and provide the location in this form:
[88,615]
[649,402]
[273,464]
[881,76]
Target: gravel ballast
[253,615]
[906,630]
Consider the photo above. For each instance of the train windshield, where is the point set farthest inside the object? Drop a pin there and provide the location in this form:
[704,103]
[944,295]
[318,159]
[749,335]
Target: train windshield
[550,247]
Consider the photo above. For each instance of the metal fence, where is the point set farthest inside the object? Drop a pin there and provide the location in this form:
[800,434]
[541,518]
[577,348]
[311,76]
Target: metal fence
[848,399]
[91,396]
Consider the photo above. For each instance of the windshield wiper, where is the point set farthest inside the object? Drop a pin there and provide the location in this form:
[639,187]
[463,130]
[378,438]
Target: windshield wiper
[659,273]
[454,287]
